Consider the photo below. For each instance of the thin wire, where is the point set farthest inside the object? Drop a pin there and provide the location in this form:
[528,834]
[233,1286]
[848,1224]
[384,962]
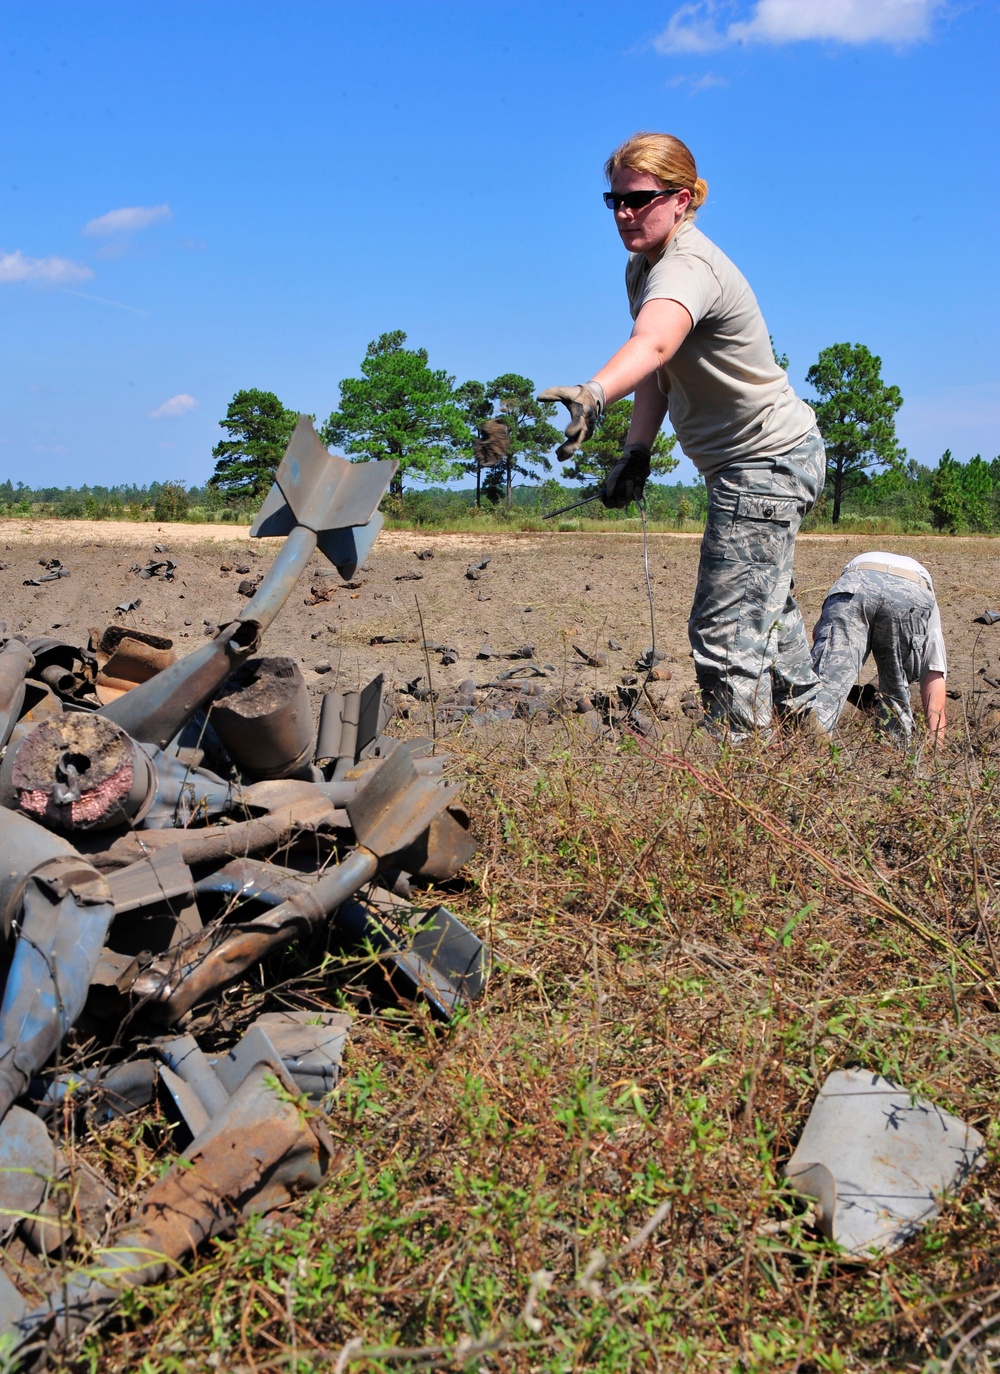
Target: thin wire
[649,582]
[430,680]
[643,689]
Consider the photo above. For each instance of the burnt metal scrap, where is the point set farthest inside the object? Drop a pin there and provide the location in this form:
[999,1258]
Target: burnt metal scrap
[610,703]
[168,825]
[53,571]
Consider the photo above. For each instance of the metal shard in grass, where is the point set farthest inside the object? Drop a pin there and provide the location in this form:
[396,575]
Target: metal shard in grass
[878,1161]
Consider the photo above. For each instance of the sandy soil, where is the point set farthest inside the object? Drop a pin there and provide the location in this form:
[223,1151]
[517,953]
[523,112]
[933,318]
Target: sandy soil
[551,590]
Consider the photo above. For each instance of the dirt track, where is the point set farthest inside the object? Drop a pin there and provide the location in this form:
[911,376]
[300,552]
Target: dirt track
[550,590]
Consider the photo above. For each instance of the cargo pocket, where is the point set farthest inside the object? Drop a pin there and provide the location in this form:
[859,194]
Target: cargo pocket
[760,528]
[914,654]
[833,641]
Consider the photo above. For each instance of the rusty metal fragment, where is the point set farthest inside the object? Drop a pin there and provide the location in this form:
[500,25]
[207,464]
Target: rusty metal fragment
[63,909]
[263,717]
[158,709]
[127,657]
[430,956]
[15,661]
[258,1154]
[309,1047]
[388,814]
[155,878]
[157,905]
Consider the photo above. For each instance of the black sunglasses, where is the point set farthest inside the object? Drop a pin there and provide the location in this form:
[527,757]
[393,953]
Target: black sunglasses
[634,200]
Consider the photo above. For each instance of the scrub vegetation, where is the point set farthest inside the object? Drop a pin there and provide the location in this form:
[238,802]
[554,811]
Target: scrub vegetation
[584,1172]
[401,408]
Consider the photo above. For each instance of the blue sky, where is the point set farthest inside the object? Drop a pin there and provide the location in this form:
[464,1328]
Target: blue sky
[197,198]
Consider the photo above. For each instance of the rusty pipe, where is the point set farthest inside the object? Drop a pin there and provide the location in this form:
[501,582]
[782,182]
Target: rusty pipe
[223,953]
[16,659]
[347,749]
[259,1153]
[158,709]
[62,909]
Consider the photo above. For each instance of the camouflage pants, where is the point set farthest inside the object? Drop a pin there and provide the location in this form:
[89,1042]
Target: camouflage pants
[746,631]
[878,614]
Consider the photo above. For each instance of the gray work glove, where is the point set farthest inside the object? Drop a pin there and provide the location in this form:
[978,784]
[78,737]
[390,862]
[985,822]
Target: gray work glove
[586,406]
[627,479]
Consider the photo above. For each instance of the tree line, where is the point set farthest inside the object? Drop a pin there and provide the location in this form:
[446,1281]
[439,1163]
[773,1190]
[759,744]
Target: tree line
[402,408]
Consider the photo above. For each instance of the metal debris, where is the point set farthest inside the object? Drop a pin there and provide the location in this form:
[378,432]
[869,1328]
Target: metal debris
[878,1161]
[597,660]
[128,892]
[54,570]
[156,567]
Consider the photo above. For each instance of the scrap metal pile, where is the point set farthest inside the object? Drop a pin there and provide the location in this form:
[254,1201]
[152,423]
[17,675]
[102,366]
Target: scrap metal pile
[145,803]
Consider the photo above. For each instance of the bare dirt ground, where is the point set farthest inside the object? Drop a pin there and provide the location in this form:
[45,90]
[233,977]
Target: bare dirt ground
[549,590]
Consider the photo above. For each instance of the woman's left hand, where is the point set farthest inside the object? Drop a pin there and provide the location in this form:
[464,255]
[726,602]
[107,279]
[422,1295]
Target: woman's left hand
[627,479]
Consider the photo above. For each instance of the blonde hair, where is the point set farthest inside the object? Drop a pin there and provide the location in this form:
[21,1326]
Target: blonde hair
[664,157]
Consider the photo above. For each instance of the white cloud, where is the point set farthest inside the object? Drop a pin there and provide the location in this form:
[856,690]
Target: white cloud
[48,271]
[695,27]
[694,85]
[127,220]
[177,405]
[692,28]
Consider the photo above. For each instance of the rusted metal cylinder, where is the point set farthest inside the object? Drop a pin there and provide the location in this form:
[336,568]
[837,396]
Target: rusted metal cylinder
[15,660]
[157,710]
[331,723]
[78,771]
[347,752]
[263,718]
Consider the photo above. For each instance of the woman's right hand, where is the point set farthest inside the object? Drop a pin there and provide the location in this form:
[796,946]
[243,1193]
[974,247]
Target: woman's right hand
[585,404]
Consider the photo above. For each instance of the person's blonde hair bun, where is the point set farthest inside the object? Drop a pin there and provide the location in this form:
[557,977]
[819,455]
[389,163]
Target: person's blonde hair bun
[664,157]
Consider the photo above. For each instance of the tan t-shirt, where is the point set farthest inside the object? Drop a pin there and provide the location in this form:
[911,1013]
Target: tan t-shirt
[728,399]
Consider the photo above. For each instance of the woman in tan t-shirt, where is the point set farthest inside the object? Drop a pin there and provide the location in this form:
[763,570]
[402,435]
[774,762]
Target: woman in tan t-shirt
[700,350]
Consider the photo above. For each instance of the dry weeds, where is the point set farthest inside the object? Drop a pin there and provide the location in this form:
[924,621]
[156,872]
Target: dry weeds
[584,1172]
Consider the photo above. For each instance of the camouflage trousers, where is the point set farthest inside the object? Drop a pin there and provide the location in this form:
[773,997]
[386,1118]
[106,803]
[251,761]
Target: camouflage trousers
[751,652]
[868,613]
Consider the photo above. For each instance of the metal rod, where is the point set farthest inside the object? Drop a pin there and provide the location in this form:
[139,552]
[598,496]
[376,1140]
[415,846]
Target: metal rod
[563,509]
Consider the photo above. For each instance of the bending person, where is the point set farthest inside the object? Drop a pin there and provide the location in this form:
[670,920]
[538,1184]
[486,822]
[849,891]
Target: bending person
[700,349]
[883,604]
